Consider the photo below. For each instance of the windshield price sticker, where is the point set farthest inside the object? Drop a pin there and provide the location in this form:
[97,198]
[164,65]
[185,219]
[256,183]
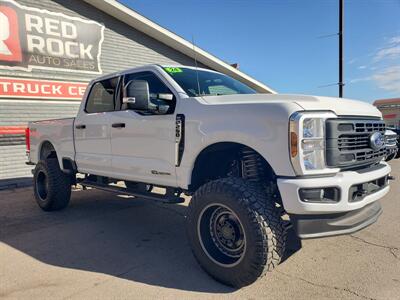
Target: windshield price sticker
[173,70]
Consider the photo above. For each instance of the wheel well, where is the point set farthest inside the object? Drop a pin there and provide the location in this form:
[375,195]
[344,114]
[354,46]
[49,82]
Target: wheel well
[69,165]
[47,151]
[228,159]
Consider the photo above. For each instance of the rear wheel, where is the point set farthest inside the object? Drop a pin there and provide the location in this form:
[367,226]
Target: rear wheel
[235,231]
[52,187]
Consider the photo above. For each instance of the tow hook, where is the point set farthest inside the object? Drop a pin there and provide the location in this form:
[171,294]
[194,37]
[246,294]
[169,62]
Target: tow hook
[390,177]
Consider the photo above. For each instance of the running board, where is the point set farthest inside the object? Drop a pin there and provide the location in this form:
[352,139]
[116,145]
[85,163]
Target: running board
[125,191]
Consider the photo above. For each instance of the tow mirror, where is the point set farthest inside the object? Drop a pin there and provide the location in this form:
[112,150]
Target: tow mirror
[166,97]
[137,95]
[162,109]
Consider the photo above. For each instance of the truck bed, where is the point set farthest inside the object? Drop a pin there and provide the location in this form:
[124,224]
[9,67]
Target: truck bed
[59,132]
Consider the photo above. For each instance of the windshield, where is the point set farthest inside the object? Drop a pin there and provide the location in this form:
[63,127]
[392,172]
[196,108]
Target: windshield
[209,83]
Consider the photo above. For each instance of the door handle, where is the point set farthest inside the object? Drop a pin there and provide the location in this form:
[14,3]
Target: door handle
[118,125]
[81,126]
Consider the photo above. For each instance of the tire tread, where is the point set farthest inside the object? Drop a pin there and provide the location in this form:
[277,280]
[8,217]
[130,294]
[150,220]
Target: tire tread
[263,213]
[59,192]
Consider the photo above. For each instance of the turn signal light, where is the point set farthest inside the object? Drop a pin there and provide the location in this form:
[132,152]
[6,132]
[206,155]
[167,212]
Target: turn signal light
[293,144]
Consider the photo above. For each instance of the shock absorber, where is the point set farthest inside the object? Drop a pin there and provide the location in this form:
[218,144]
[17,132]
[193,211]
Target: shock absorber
[254,169]
[252,166]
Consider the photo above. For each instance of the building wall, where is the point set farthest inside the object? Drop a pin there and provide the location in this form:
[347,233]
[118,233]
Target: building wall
[123,47]
[390,113]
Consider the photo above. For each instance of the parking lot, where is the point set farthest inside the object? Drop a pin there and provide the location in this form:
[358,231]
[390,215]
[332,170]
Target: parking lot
[112,247]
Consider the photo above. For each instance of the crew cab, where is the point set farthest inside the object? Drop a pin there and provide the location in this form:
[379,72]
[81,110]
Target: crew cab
[254,164]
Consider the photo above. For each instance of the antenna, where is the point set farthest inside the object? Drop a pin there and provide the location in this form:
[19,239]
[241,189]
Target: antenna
[341,25]
[341,59]
[195,63]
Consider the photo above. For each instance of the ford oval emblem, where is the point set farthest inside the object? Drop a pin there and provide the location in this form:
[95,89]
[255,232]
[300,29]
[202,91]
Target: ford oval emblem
[377,141]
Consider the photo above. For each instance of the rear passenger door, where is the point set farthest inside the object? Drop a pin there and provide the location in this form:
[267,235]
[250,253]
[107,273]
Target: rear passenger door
[92,129]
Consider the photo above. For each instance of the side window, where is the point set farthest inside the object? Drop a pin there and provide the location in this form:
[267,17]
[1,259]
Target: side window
[102,96]
[157,89]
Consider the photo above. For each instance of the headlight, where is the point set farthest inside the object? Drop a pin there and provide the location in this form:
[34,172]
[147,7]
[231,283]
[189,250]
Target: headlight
[307,142]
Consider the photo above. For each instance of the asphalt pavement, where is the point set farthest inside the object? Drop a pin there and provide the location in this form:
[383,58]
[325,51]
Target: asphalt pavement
[106,246]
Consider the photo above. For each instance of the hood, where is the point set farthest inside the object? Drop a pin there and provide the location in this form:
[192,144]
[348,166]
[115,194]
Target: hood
[340,106]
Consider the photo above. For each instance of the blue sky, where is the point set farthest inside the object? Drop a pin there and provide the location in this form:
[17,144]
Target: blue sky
[279,41]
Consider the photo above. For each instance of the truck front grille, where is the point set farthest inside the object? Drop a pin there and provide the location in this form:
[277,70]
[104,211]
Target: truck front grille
[369,126]
[348,142]
[391,140]
[353,142]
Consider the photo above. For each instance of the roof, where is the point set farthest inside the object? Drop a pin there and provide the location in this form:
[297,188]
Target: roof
[139,22]
[145,68]
[386,101]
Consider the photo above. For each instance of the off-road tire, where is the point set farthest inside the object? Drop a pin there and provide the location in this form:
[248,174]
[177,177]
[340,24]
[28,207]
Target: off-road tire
[57,185]
[265,234]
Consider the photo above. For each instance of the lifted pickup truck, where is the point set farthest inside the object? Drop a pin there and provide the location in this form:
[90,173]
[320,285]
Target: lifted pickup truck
[253,163]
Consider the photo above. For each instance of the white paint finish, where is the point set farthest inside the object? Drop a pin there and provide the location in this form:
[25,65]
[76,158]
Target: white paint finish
[93,144]
[289,188]
[341,107]
[58,132]
[262,126]
[258,121]
[146,143]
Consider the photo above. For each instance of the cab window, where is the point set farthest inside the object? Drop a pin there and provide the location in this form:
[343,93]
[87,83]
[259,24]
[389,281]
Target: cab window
[102,96]
[156,88]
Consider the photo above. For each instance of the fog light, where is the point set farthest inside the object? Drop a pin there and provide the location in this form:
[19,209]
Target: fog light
[320,195]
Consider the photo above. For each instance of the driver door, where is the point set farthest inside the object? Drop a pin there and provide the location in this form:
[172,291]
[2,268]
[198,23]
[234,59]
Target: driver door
[143,142]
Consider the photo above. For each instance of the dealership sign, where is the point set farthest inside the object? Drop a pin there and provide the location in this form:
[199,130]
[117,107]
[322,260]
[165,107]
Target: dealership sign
[41,89]
[35,38]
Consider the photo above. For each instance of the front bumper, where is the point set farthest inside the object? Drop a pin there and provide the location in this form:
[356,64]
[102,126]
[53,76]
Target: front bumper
[315,226]
[316,219]
[289,190]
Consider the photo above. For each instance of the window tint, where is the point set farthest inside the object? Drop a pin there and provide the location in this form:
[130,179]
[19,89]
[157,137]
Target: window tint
[156,87]
[101,97]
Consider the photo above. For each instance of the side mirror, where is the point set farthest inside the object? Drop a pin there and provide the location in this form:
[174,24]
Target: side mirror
[162,109]
[166,97]
[137,95]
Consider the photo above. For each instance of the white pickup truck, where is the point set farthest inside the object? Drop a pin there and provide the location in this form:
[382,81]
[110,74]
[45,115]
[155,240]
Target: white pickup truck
[253,163]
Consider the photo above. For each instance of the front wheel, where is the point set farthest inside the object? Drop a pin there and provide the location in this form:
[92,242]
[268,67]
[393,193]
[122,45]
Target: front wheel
[235,231]
[52,187]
